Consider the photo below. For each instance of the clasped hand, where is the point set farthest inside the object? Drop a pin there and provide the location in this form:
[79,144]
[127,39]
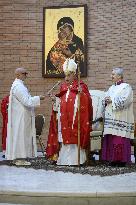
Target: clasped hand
[42,97]
[108,99]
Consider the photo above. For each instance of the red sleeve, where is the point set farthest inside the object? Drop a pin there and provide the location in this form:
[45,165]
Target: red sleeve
[4,105]
[52,143]
[63,90]
[86,116]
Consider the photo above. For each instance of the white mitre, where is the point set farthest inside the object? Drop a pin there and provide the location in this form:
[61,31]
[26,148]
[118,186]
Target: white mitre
[69,66]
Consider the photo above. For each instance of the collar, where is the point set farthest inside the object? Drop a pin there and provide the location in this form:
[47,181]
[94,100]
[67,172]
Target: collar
[119,82]
[19,80]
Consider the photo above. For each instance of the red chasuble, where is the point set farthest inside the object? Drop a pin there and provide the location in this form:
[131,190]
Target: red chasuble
[4,111]
[69,126]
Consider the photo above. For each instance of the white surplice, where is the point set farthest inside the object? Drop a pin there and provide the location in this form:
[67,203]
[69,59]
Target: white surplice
[119,117]
[21,134]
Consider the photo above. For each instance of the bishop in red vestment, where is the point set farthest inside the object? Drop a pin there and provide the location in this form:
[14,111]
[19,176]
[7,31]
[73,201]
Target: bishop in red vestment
[63,132]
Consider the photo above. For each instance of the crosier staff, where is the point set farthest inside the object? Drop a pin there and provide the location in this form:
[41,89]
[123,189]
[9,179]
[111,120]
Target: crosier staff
[58,83]
[78,55]
[78,105]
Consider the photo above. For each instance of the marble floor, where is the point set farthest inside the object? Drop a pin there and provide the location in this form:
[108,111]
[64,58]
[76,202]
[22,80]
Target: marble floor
[31,182]
[40,181]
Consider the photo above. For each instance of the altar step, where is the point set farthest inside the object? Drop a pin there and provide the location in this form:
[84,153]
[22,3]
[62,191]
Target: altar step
[125,198]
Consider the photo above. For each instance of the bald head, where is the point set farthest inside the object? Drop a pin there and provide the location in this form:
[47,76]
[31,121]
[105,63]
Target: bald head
[20,71]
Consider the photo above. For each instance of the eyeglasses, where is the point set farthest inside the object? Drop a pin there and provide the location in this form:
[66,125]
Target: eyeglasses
[25,73]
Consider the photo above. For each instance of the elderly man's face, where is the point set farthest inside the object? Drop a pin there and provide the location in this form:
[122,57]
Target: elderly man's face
[22,75]
[115,77]
[69,77]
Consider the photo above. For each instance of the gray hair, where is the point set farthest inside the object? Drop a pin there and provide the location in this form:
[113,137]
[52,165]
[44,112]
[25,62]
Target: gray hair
[118,71]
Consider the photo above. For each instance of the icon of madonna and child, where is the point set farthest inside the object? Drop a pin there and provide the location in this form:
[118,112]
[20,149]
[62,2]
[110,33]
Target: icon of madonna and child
[68,45]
